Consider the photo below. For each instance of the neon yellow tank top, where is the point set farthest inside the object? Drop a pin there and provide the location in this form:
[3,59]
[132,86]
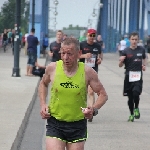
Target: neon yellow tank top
[68,94]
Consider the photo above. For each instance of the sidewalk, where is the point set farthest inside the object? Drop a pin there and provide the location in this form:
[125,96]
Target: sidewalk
[17,97]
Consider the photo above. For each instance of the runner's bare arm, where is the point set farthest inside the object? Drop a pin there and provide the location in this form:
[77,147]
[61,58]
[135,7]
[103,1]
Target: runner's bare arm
[99,58]
[144,62]
[44,85]
[121,61]
[97,87]
[87,55]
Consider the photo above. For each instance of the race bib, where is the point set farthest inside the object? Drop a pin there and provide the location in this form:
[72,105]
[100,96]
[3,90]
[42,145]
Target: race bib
[90,62]
[134,76]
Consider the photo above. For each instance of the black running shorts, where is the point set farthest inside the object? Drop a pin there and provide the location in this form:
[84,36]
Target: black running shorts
[95,68]
[70,132]
[132,86]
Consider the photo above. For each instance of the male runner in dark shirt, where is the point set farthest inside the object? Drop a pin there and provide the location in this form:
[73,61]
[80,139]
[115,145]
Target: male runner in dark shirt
[55,47]
[134,59]
[91,56]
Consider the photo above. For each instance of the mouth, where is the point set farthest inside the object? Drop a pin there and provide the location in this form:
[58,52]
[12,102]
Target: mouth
[67,63]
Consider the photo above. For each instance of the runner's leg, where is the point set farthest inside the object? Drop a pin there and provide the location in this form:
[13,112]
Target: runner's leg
[54,144]
[75,146]
[131,103]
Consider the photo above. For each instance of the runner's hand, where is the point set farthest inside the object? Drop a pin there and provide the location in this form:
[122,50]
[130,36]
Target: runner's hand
[99,60]
[143,67]
[122,58]
[44,112]
[88,55]
[88,112]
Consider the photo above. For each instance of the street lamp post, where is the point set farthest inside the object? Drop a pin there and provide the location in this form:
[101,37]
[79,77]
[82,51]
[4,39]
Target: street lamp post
[94,14]
[55,10]
[52,16]
[16,69]
[100,5]
[55,14]
[33,13]
[56,2]
[54,23]
[89,23]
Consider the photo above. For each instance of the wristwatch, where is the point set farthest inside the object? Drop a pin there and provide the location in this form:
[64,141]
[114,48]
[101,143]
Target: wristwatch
[95,111]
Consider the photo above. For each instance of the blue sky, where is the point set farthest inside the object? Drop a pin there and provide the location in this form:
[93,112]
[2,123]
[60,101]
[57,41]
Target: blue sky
[74,12]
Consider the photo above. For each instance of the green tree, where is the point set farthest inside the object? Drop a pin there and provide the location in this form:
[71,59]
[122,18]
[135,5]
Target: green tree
[8,13]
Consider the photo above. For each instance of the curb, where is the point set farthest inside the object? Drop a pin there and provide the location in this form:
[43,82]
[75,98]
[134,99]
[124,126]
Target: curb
[17,142]
[18,139]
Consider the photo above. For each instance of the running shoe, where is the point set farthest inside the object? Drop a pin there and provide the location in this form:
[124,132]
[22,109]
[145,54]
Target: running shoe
[131,118]
[137,113]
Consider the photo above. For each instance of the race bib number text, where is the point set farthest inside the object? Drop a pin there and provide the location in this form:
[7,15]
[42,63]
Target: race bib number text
[134,76]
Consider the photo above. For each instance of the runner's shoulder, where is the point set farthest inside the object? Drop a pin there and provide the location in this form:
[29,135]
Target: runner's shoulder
[53,43]
[51,67]
[96,44]
[83,43]
[141,47]
[126,49]
[90,72]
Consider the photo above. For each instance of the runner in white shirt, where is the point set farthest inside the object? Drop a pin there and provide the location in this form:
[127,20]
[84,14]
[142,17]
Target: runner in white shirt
[122,46]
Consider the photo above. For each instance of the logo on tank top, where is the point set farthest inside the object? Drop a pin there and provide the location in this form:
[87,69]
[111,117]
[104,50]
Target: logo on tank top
[69,84]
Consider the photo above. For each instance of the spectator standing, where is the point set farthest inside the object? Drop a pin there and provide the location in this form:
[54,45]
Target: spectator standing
[45,44]
[31,51]
[5,39]
[9,36]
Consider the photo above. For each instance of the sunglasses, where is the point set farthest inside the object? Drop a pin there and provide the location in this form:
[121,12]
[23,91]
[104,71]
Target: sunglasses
[92,35]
